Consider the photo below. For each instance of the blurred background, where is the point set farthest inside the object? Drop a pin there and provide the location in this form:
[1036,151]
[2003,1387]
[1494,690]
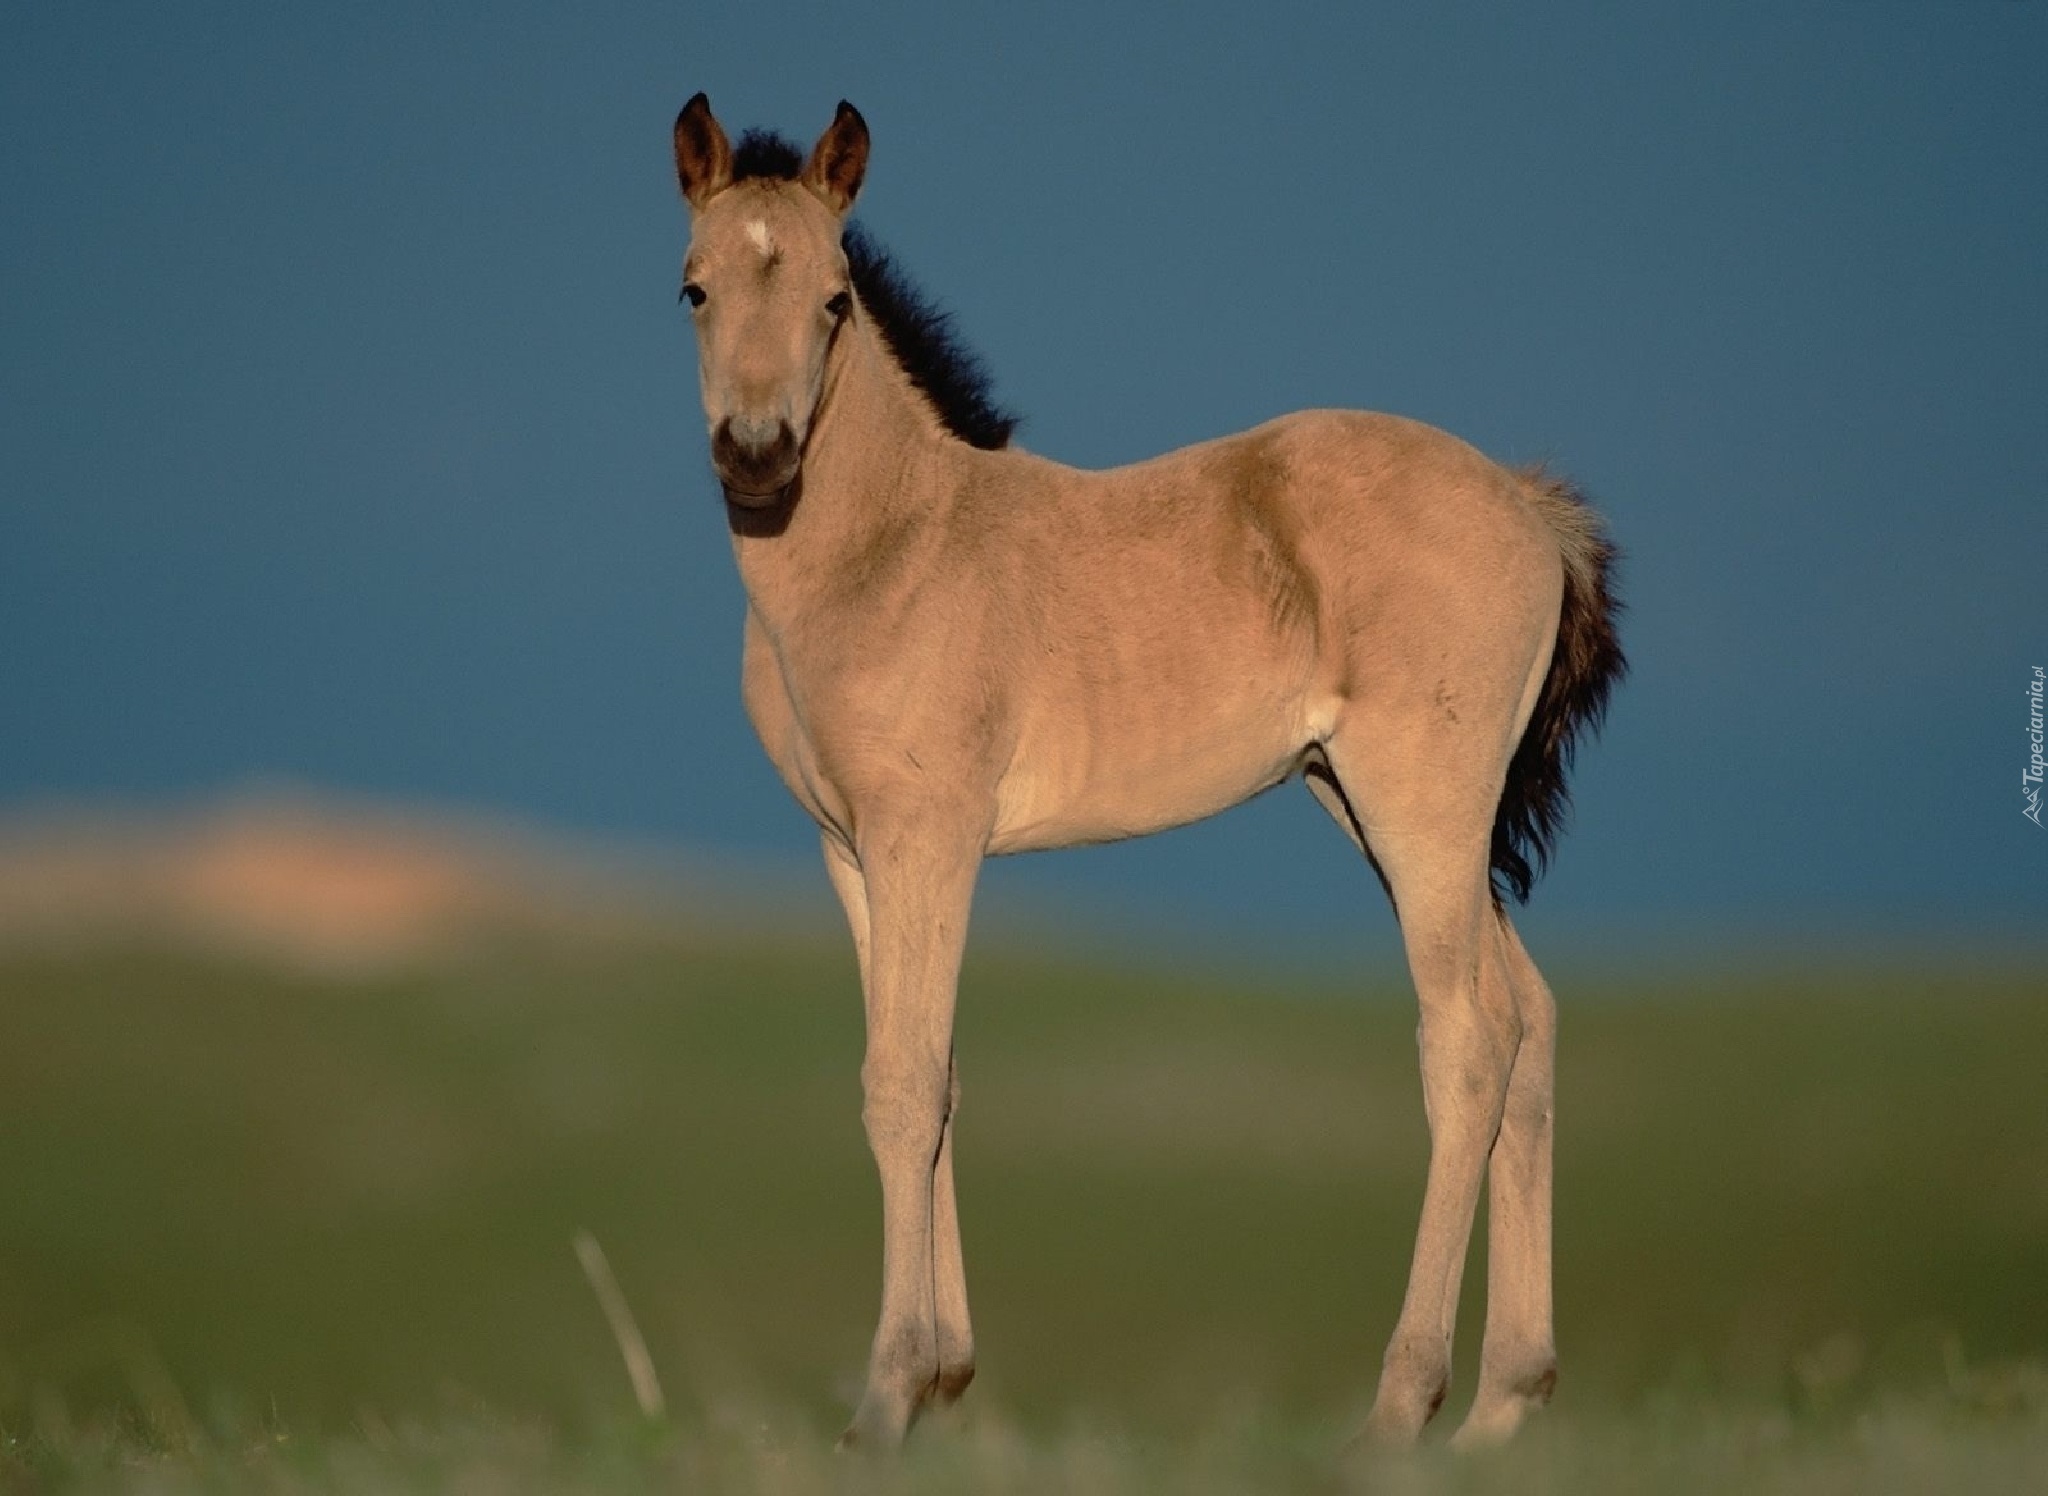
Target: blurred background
[390,885]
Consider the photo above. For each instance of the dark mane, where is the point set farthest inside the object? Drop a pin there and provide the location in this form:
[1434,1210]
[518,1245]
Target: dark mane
[763,154]
[922,338]
[918,334]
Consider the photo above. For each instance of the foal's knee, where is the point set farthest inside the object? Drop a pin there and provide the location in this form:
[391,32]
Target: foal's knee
[904,1107]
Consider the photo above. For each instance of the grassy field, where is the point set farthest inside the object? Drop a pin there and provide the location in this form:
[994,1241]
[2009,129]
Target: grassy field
[266,1229]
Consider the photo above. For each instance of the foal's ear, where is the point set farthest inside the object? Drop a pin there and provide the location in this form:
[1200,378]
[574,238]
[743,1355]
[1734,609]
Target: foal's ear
[839,160]
[703,158]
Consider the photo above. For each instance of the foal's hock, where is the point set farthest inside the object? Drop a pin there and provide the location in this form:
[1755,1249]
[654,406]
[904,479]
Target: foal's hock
[955,648]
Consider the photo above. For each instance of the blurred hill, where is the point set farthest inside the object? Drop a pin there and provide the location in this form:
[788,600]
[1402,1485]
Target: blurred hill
[337,882]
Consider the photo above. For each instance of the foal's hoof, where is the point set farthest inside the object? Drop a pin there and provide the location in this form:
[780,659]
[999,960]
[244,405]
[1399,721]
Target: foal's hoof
[1382,1435]
[870,1436]
[877,1428]
[861,1440]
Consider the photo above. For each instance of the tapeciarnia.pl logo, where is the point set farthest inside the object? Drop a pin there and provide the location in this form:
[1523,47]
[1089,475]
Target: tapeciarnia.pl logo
[2030,781]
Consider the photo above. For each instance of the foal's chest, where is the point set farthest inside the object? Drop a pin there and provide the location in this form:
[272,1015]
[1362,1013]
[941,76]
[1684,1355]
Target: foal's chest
[772,710]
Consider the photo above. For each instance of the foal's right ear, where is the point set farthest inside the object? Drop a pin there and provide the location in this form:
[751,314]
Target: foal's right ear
[703,158]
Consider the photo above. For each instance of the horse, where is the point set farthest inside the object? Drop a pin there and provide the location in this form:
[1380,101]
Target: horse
[956,649]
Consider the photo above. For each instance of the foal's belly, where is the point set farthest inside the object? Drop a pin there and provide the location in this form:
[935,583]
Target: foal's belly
[1072,787]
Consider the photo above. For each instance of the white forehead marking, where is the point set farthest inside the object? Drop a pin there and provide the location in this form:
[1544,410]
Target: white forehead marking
[757,234]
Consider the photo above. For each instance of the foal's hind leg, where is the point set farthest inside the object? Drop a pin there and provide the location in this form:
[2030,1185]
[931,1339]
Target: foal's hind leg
[1427,827]
[1518,1361]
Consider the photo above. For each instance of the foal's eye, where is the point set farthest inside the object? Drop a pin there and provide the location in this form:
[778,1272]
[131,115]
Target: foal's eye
[839,305]
[692,293]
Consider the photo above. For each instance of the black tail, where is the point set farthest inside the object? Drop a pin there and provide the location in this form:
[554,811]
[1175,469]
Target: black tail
[1585,667]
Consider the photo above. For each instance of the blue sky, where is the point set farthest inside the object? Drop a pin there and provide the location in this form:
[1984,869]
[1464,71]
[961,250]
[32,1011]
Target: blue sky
[349,432]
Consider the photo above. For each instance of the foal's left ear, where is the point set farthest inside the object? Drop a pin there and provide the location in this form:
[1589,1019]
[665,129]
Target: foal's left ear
[839,160]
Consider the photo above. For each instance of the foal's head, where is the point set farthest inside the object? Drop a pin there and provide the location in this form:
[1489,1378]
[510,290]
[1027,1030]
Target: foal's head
[769,289]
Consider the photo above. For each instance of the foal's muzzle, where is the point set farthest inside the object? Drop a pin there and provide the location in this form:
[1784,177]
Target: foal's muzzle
[755,459]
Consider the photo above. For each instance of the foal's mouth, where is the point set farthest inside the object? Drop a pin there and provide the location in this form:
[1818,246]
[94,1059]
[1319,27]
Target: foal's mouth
[756,467]
[762,516]
[754,498]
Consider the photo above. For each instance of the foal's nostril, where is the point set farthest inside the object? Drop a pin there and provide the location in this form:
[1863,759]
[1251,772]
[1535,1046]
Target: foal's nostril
[754,456]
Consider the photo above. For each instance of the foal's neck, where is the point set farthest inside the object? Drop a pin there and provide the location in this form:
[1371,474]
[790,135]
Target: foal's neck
[880,471]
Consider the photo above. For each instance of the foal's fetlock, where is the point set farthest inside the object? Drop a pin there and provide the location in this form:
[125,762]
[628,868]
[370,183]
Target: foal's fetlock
[956,1360]
[954,1375]
[1413,1383]
[1504,1401]
[1537,1387]
[1529,1378]
[881,1422]
[901,1376]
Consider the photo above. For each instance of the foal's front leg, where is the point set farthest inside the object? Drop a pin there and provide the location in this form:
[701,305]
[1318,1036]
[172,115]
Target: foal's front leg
[914,879]
[949,1274]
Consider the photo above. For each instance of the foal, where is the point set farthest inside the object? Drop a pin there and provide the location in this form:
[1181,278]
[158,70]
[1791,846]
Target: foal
[955,649]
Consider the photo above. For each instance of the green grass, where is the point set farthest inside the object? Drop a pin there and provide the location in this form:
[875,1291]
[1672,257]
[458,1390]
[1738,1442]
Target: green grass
[269,1229]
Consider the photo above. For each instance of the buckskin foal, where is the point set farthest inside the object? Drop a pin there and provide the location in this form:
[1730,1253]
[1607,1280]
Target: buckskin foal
[955,648]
